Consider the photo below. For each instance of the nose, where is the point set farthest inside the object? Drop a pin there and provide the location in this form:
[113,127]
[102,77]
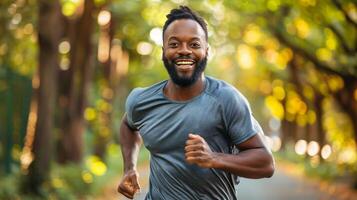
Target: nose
[184,50]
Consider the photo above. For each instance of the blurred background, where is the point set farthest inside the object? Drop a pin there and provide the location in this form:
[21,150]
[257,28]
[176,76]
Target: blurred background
[66,67]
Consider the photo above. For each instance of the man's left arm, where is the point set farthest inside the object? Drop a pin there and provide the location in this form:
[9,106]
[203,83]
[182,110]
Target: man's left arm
[254,160]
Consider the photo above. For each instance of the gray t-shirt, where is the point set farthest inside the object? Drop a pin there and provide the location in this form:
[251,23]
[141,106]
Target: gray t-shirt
[220,114]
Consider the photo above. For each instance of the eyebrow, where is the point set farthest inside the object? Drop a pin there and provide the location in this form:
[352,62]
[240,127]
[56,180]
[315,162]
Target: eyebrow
[176,38]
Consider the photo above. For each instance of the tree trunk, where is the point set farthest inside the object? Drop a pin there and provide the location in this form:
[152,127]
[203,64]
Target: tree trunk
[49,34]
[108,70]
[289,133]
[75,89]
[321,135]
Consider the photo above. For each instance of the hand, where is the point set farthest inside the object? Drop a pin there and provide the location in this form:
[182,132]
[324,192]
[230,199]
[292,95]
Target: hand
[198,152]
[129,185]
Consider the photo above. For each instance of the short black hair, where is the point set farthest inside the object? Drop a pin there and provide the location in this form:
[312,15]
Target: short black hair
[184,12]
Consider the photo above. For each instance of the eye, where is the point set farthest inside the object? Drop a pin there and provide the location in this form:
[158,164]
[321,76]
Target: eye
[173,44]
[195,45]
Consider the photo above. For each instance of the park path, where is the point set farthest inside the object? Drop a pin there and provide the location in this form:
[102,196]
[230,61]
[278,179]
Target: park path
[286,184]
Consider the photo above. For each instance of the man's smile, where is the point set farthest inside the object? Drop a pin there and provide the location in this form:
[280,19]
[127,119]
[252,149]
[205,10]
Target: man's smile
[184,65]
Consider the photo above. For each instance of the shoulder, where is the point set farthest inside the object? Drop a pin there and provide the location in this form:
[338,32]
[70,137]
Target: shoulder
[141,93]
[144,92]
[223,91]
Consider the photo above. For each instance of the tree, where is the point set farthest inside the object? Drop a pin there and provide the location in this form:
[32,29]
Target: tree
[342,64]
[49,34]
[75,83]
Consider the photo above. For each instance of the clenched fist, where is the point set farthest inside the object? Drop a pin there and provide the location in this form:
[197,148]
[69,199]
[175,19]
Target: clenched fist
[129,185]
[198,152]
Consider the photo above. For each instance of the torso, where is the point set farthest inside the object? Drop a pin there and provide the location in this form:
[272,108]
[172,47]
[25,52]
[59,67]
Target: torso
[164,125]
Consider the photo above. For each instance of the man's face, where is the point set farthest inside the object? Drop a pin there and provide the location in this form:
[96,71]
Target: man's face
[184,51]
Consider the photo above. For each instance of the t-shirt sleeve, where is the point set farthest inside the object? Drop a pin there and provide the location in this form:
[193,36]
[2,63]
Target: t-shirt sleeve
[129,107]
[240,122]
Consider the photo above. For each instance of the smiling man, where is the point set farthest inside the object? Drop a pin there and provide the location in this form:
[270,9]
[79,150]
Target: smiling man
[199,130]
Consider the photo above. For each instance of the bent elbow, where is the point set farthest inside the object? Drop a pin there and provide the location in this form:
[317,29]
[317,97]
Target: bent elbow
[270,167]
[270,171]
[264,172]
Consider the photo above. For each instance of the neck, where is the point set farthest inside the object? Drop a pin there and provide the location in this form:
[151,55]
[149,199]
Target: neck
[179,93]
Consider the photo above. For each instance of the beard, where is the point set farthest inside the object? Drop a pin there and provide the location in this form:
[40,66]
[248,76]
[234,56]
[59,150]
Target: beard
[184,81]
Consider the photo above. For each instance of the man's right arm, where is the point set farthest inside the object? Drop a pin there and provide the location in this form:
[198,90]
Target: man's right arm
[130,142]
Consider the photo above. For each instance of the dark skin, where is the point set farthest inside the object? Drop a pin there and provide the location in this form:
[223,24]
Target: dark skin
[186,37]
[130,142]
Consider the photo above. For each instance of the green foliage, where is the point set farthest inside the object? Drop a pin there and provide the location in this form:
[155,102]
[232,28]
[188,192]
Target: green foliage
[326,171]
[18,47]
[68,178]
[313,166]
[73,181]
[8,187]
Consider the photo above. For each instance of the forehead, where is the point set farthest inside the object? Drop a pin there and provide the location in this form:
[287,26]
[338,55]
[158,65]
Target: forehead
[184,27]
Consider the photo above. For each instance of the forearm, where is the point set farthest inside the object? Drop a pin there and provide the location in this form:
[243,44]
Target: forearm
[130,142]
[250,163]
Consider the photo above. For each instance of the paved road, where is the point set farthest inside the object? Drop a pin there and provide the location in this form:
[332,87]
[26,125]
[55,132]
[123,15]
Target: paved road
[281,186]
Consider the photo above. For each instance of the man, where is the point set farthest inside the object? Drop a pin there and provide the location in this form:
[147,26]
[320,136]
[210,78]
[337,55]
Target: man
[191,124]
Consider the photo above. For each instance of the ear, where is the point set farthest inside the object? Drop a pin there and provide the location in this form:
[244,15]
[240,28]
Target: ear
[207,50]
[162,53]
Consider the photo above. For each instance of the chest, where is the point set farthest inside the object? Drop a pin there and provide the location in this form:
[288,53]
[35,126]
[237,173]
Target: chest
[165,127]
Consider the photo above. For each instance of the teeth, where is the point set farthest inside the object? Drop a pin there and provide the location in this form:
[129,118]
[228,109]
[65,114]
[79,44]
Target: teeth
[184,63]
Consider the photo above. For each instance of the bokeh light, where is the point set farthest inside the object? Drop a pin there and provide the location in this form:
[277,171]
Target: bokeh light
[64,63]
[156,35]
[313,148]
[324,54]
[90,114]
[302,27]
[301,147]
[87,177]
[64,47]
[57,183]
[16,19]
[279,92]
[326,151]
[144,48]
[104,17]
[96,166]
[275,107]
[70,7]
[246,56]
[252,34]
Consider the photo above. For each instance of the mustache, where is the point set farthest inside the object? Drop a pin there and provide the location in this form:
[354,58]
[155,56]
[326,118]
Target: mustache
[184,57]
[178,57]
